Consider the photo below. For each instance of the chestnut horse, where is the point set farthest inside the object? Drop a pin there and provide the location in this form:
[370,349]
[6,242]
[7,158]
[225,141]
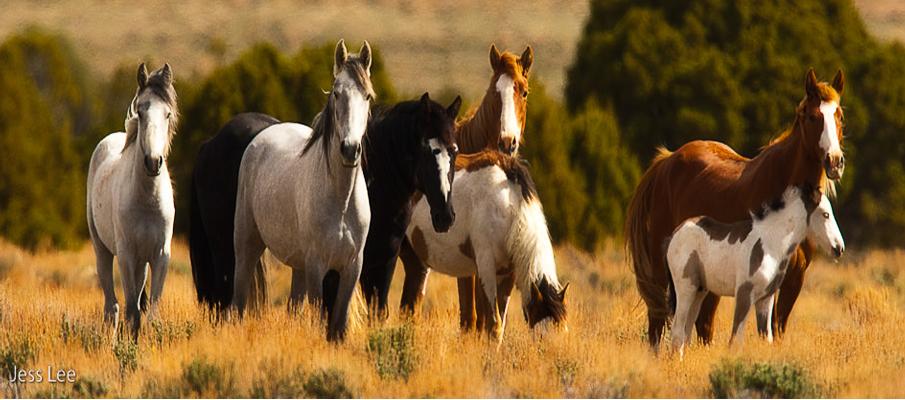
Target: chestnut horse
[709,178]
[497,123]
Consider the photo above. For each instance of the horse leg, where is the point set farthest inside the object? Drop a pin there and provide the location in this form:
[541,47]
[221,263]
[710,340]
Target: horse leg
[339,315]
[104,261]
[504,292]
[686,295]
[159,269]
[468,317]
[743,299]
[763,309]
[133,274]
[790,289]
[704,323]
[657,303]
[314,284]
[487,278]
[297,290]
[249,248]
[415,277]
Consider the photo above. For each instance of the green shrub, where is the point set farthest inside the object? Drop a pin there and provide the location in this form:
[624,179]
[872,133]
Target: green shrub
[328,384]
[126,353]
[85,387]
[90,337]
[202,378]
[735,379]
[15,353]
[393,351]
[277,384]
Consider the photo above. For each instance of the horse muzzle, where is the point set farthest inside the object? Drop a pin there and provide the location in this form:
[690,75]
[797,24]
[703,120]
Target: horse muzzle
[838,250]
[153,165]
[443,220]
[351,154]
[834,165]
[507,145]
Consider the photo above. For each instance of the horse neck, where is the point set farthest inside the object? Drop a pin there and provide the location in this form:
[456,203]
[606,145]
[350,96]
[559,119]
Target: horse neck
[778,166]
[327,167]
[478,132]
[779,233]
[389,177]
[143,188]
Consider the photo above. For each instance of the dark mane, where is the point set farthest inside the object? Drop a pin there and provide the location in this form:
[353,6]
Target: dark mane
[550,304]
[322,127]
[515,169]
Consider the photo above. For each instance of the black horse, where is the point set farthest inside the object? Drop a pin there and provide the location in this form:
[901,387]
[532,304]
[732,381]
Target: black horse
[402,148]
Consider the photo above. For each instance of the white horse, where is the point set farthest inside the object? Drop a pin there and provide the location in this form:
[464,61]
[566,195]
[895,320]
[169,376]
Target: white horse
[309,205]
[130,198]
[746,260]
[499,234]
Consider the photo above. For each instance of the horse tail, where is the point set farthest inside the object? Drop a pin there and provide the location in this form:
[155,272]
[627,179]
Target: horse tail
[637,233]
[203,269]
[528,241]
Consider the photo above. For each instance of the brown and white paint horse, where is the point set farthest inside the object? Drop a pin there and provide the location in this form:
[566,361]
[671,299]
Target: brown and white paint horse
[747,259]
[498,123]
[709,178]
[500,235]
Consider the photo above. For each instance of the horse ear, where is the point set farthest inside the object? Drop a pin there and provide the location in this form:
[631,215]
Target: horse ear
[339,57]
[810,84]
[365,55]
[453,109]
[839,82]
[526,60]
[167,74]
[495,57]
[562,293]
[536,293]
[142,76]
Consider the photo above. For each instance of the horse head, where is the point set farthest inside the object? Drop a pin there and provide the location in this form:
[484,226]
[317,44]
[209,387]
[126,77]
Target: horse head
[152,117]
[509,86]
[820,116]
[437,158]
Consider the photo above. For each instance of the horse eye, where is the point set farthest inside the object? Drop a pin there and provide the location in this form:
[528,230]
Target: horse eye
[169,114]
[524,94]
[826,215]
[436,152]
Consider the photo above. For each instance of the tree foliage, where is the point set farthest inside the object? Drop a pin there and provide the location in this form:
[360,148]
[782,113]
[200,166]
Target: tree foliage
[734,71]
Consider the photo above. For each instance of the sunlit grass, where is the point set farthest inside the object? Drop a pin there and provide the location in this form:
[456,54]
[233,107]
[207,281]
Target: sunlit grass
[845,335]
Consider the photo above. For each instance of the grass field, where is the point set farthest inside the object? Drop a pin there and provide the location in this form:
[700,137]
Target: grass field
[845,340]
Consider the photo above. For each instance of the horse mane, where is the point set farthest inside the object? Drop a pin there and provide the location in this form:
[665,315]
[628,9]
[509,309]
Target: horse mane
[515,169]
[158,86]
[323,125]
[390,130]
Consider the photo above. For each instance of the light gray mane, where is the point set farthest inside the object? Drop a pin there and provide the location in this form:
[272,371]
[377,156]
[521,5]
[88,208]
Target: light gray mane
[157,87]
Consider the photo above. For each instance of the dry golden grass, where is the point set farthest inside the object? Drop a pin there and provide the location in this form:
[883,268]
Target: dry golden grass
[846,333]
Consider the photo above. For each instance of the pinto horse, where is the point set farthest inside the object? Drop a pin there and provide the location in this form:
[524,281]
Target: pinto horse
[709,178]
[497,124]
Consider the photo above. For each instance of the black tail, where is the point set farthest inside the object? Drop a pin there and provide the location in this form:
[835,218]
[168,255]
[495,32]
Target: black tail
[203,269]
[215,181]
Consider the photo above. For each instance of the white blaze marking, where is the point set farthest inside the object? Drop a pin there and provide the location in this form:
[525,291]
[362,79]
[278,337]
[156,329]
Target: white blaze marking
[358,108]
[442,165]
[508,119]
[829,140]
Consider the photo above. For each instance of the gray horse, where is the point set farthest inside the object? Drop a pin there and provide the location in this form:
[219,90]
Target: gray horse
[130,197]
[307,201]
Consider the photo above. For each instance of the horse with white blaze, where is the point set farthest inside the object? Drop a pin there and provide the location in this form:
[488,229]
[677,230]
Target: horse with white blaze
[747,259]
[130,198]
[302,194]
